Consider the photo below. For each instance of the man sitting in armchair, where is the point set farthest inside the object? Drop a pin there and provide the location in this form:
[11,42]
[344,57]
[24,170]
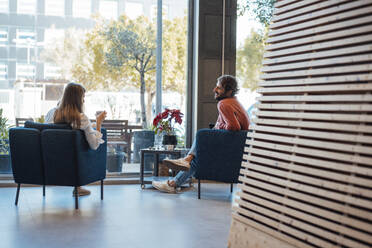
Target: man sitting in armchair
[232,116]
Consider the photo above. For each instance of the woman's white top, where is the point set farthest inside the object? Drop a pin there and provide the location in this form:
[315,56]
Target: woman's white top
[50,115]
[93,137]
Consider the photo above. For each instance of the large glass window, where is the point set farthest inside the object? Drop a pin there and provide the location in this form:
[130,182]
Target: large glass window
[3,36]
[79,51]
[55,7]
[108,9]
[26,7]
[52,71]
[4,6]
[25,71]
[81,8]
[133,10]
[250,40]
[3,71]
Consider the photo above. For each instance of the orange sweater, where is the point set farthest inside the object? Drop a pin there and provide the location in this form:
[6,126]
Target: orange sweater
[232,115]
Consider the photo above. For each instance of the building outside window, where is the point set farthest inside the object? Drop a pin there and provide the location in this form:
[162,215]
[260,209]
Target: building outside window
[25,37]
[3,36]
[4,97]
[108,9]
[26,7]
[52,35]
[133,10]
[4,6]
[81,8]
[25,71]
[55,7]
[3,71]
[52,71]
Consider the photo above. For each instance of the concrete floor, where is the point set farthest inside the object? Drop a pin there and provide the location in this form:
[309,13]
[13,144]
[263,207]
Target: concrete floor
[127,217]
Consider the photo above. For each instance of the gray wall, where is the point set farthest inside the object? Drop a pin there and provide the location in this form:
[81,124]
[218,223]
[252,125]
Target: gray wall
[209,61]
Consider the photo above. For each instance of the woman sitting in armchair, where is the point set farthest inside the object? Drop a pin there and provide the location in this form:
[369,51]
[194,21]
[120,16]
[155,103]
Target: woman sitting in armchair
[71,110]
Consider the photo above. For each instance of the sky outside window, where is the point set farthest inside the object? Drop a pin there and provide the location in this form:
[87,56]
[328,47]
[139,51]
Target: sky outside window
[133,10]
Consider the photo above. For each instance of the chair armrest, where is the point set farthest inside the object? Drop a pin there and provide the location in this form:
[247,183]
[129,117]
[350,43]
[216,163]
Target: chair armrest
[91,163]
[26,157]
[219,154]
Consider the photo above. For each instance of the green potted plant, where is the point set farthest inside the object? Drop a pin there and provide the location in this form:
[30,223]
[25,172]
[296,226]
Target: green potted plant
[5,166]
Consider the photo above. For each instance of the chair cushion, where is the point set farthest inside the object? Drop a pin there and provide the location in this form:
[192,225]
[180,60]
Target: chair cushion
[43,126]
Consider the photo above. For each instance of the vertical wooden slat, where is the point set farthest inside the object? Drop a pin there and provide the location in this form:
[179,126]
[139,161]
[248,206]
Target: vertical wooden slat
[306,178]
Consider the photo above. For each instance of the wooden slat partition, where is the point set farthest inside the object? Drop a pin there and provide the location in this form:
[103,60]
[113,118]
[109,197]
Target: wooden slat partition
[306,176]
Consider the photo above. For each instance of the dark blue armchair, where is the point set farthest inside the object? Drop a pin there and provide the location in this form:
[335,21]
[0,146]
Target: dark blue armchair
[54,154]
[219,155]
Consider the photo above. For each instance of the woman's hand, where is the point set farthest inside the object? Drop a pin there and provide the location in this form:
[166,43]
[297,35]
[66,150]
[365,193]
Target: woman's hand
[99,119]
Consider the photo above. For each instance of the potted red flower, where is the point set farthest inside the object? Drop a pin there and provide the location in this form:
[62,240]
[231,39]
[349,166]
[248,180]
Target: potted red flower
[164,123]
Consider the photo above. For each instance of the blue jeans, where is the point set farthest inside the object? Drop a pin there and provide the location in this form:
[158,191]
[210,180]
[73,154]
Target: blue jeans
[183,176]
[192,149]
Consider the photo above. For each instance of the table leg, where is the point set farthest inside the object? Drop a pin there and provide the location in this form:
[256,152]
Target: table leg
[129,151]
[156,167]
[142,167]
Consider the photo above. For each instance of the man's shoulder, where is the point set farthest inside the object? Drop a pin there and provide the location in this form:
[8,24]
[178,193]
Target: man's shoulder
[228,101]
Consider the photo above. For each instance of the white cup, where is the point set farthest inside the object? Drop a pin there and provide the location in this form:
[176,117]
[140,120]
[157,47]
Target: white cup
[169,147]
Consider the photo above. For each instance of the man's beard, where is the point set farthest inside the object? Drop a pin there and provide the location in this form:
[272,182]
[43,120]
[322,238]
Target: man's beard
[221,97]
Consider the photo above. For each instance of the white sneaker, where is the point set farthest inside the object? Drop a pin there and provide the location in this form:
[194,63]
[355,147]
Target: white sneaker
[163,186]
[177,164]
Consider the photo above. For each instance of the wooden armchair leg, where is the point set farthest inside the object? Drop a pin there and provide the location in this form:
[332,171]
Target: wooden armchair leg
[198,188]
[17,195]
[44,190]
[231,188]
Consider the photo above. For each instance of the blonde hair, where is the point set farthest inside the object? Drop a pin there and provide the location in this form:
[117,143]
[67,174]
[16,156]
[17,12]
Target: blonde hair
[71,105]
